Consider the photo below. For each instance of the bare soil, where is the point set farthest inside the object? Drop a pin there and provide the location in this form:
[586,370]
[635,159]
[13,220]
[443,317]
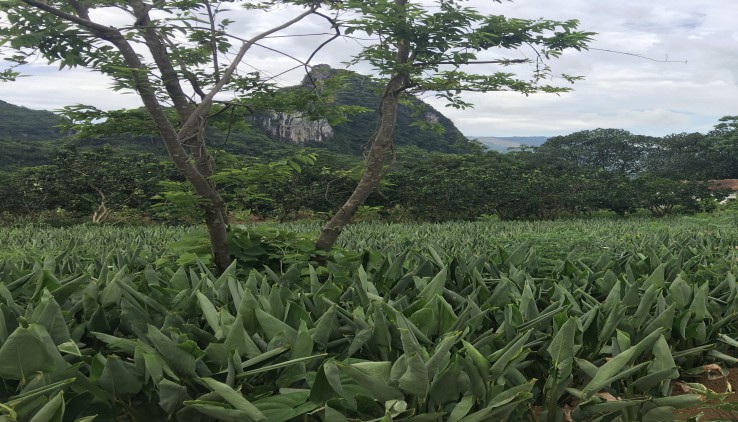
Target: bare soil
[726,384]
[718,384]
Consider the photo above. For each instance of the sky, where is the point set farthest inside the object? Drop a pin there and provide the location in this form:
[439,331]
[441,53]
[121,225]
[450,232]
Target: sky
[655,67]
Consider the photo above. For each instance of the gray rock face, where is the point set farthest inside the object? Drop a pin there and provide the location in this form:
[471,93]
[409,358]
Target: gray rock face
[432,118]
[293,128]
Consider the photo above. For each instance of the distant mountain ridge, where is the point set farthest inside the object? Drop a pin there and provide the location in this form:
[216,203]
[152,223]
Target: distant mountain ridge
[21,123]
[268,130]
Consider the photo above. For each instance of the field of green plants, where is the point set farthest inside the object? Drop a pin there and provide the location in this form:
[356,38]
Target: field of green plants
[554,321]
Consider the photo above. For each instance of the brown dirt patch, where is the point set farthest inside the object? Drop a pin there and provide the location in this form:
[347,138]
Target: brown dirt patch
[720,384]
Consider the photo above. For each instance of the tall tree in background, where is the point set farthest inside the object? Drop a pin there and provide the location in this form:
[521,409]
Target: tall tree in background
[423,48]
[724,145]
[176,55]
[615,151]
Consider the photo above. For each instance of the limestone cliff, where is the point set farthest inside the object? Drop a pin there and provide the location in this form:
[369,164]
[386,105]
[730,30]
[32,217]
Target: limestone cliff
[293,128]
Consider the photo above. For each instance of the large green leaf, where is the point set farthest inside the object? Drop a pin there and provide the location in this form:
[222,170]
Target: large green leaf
[415,381]
[435,287]
[179,360]
[505,356]
[562,348]
[48,313]
[26,395]
[615,367]
[235,399]
[373,386]
[27,351]
[119,378]
[172,396]
[52,411]
[211,314]
[273,327]
[285,406]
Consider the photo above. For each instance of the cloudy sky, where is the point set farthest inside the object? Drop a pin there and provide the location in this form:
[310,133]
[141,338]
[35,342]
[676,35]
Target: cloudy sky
[675,70]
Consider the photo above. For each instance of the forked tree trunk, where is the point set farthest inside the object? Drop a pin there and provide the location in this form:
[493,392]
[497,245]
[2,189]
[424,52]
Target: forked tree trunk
[380,148]
[197,166]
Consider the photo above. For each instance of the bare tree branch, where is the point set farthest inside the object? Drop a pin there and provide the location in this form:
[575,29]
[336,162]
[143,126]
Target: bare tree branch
[665,60]
[162,59]
[100,30]
[203,107]
[213,42]
[503,62]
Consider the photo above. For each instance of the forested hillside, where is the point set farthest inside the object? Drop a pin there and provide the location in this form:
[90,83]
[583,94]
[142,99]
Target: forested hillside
[438,175]
[418,124]
[27,136]
[22,123]
[594,171]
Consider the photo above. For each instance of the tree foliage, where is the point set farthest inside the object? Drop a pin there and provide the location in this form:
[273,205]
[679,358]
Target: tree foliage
[189,59]
[92,182]
[422,48]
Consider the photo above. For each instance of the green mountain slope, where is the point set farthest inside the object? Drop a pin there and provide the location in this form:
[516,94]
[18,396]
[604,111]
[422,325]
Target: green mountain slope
[28,137]
[418,124]
[23,123]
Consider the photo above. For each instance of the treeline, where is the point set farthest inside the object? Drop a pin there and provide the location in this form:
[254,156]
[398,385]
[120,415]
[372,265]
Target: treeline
[580,173]
[577,174]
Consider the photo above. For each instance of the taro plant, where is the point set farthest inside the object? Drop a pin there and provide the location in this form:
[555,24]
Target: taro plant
[98,329]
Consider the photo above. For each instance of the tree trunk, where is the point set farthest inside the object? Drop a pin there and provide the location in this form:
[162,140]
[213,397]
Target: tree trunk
[217,224]
[197,167]
[380,149]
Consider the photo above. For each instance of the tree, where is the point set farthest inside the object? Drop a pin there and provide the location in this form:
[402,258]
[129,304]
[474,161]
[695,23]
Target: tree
[660,196]
[173,54]
[615,151]
[26,191]
[93,182]
[684,156]
[437,187]
[724,147]
[428,49]
[100,181]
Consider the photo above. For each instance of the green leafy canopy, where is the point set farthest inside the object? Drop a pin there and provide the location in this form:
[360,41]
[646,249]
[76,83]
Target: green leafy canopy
[446,38]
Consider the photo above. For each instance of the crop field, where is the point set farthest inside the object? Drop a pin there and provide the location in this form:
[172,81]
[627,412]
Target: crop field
[597,320]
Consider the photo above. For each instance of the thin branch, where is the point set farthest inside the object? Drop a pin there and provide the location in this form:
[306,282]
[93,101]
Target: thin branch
[315,34]
[186,73]
[82,11]
[666,60]
[213,42]
[323,44]
[274,50]
[285,71]
[102,30]
[503,62]
[326,42]
[162,58]
[203,107]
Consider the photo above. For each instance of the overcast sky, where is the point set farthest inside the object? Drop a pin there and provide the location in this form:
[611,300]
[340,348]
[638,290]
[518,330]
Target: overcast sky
[649,96]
